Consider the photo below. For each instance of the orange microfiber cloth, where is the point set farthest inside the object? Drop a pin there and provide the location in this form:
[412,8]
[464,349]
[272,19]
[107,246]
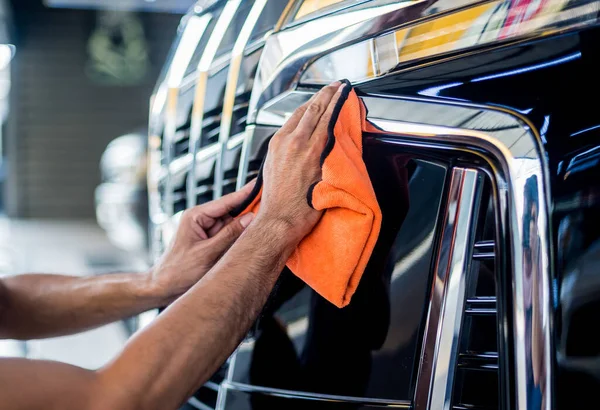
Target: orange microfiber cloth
[333,257]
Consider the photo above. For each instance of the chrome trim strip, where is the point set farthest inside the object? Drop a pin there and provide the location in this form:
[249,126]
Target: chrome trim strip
[300,395]
[526,305]
[167,145]
[340,6]
[220,405]
[193,32]
[245,157]
[182,164]
[441,340]
[235,66]
[198,106]
[286,11]
[236,140]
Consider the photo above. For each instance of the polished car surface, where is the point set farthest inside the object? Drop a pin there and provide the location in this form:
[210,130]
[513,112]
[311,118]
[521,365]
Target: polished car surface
[482,286]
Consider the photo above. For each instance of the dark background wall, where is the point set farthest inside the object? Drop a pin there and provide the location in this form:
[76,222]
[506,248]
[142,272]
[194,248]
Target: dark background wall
[61,118]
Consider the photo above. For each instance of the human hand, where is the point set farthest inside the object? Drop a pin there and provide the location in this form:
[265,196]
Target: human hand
[293,164]
[204,234]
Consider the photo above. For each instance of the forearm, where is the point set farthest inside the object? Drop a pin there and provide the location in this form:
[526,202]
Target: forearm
[173,357]
[42,305]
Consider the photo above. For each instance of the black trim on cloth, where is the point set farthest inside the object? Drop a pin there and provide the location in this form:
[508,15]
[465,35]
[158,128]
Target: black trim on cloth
[253,194]
[334,117]
[309,194]
[330,134]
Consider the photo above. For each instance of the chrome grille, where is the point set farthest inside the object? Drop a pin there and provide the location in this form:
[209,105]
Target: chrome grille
[204,187]
[204,190]
[210,126]
[206,397]
[476,382]
[441,341]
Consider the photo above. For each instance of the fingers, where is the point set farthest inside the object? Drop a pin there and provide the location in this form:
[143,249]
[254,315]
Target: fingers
[315,109]
[319,136]
[222,206]
[217,226]
[292,122]
[230,232]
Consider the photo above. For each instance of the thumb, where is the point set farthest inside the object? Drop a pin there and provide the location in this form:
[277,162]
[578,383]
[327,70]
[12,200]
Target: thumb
[230,232]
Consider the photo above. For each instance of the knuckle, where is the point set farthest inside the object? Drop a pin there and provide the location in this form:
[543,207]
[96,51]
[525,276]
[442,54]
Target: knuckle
[315,108]
[295,144]
[233,229]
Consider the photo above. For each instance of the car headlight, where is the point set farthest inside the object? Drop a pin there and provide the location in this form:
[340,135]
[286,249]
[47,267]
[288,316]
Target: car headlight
[486,23]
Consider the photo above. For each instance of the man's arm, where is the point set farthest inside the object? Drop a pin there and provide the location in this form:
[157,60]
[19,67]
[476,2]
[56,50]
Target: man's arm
[165,363]
[171,358]
[204,326]
[38,306]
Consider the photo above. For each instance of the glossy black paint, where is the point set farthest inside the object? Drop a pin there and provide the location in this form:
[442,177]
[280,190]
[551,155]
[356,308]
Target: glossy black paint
[553,82]
[370,348]
[240,399]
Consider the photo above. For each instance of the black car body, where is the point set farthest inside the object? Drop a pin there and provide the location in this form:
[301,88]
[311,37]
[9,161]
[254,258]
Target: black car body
[482,291]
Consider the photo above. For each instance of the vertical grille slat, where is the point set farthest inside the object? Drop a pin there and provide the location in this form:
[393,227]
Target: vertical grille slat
[206,397]
[204,66]
[450,287]
[476,384]
[228,115]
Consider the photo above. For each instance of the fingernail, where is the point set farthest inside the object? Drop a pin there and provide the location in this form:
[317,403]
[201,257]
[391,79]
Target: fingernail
[334,83]
[341,87]
[246,219]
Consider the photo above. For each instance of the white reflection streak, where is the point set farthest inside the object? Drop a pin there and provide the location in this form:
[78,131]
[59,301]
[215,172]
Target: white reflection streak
[297,328]
[585,130]
[215,39]
[415,255]
[434,91]
[561,60]
[290,41]
[544,128]
[190,38]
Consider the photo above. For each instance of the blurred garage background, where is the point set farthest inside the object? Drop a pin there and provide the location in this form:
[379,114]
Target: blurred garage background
[75,82]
